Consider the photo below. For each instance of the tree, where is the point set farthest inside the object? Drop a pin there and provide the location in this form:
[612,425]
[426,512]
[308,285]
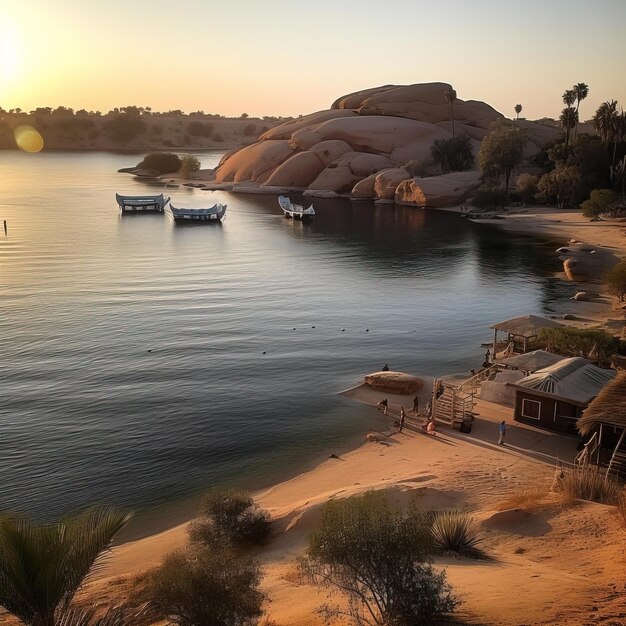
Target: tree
[244,116]
[122,128]
[570,341]
[615,279]
[526,186]
[188,165]
[562,185]
[581,91]
[568,119]
[569,97]
[605,121]
[501,151]
[379,558]
[518,110]
[205,586]
[230,517]
[600,201]
[450,95]
[160,162]
[454,154]
[42,566]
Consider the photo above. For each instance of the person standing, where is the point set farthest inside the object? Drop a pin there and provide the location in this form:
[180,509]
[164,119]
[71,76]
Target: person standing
[385,368]
[383,405]
[401,418]
[502,430]
[416,405]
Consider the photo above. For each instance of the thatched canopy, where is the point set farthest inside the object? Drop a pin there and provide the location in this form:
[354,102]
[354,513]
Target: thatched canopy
[532,361]
[573,380]
[525,326]
[609,407]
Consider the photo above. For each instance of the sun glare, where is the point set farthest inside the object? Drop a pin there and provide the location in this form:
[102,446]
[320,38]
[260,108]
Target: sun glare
[28,139]
[9,52]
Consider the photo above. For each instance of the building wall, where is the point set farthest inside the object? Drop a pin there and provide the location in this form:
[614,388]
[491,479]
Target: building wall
[545,412]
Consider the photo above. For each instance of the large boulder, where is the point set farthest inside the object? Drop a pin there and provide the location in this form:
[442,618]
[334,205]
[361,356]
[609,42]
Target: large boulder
[252,161]
[299,170]
[394,382]
[387,182]
[343,173]
[438,191]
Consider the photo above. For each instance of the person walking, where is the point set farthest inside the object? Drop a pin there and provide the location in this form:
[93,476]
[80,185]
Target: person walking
[416,405]
[383,405]
[502,430]
[401,418]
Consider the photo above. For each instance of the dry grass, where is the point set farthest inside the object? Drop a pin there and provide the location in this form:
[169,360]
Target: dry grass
[529,499]
[588,483]
[621,507]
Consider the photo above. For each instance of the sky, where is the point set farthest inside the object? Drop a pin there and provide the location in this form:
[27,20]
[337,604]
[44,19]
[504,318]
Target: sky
[280,57]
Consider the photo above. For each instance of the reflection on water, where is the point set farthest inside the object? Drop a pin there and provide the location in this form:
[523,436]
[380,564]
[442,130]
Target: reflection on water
[141,360]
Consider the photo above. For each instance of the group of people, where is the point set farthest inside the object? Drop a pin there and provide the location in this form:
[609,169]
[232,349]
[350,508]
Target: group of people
[428,425]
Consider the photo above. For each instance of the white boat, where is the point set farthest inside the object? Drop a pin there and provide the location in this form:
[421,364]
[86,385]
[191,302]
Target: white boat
[144,204]
[212,214]
[295,211]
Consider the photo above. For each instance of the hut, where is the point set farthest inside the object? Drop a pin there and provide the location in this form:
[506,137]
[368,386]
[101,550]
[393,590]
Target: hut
[554,397]
[603,425]
[519,330]
[531,362]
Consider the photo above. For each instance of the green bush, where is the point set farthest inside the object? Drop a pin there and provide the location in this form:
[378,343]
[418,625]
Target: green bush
[204,586]
[569,341]
[198,129]
[489,197]
[161,162]
[455,531]
[189,165]
[123,128]
[562,186]
[230,517]
[379,558]
[454,154]
[615,279]
[600,201]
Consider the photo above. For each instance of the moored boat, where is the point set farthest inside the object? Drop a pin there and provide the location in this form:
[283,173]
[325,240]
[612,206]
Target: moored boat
[212,214]
[295,211]
[142,204]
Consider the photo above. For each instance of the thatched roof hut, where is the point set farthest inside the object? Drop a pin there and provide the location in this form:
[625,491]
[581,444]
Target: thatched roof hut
[609,407]
[526,326]
[531,361]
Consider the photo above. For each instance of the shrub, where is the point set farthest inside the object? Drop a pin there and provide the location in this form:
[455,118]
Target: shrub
[588,483]
[217,137]
[419,168]
[615,279]
[489,197]
[198,129]
[232,517]
[160,162]
[454,154]
[189,165]
[205,586]
[563,186]
[569,341]
[600,201]
[379,559]
[249,129]
[122,128]
[455,531]
[526,186]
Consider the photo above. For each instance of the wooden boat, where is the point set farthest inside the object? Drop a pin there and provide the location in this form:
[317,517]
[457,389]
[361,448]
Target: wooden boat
[295,211]
[143,204]
[212,214]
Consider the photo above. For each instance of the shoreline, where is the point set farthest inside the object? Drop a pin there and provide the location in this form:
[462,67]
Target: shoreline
[537,222]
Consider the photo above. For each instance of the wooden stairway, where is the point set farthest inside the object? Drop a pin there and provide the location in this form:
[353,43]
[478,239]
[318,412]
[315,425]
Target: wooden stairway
[453,405]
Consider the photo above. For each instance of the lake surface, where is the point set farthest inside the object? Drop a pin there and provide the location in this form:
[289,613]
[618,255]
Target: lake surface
[141,361]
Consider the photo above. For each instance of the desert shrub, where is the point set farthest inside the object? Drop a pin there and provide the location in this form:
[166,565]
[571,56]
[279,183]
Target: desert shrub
[249,130]
[189,165]
[204,586]
[600,201]
[231,517]
[379,559]
[489,197]
[455,531]
[123,128]
[615,279]
[569,341]
[218,137]
[198,129]
[454,154]
[160,162]
[562,186]
[526,187]
[588,483]
[419,169]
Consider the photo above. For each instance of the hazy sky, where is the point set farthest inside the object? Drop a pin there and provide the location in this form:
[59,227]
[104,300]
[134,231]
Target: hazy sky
[281,57]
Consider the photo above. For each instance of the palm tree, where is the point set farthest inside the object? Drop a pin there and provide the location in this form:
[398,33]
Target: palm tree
[605,120]
[581,91]
[450,96]
[518,110]
[569,97]
[569,119]
[43,565]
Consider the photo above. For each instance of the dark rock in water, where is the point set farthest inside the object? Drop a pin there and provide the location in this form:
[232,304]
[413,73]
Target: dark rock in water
[569,316]
[264,352]
[333,456]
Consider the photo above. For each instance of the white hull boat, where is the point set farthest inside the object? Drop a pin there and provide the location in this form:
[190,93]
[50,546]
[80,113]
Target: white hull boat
[295,211]
[142,204]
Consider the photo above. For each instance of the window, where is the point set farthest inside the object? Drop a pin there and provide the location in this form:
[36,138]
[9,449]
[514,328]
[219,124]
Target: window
[531,408]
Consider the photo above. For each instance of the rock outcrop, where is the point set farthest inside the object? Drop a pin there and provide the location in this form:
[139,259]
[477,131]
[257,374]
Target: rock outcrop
[359,146]
[394,382]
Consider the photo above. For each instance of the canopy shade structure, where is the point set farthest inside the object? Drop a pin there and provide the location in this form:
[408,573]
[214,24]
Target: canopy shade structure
[526,326]
[574,380]
[532,361]
[609,407]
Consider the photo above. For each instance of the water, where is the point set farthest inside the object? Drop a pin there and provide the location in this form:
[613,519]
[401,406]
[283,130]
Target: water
[142,361]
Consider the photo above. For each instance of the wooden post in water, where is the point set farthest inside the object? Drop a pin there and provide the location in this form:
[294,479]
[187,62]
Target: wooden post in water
[5,228]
